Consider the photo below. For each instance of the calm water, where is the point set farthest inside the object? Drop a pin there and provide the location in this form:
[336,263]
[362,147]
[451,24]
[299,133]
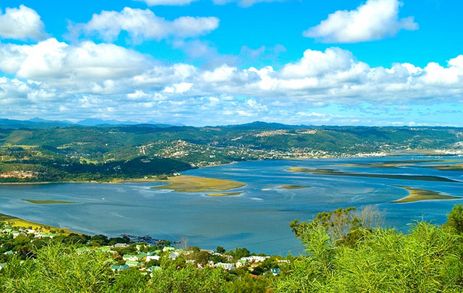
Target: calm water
[258,219]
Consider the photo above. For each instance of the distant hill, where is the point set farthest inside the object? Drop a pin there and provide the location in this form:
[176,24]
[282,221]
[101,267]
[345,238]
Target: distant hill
[263,125]
[62,150]
[100,122]
[33,123]
[43,123]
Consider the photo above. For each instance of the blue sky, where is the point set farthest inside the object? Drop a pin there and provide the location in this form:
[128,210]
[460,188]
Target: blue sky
[346,62]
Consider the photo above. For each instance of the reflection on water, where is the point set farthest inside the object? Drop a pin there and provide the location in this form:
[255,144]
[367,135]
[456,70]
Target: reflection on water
[257,219]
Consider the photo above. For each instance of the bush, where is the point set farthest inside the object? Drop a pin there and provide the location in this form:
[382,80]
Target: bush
[428,259]
[455,219]
[59,268]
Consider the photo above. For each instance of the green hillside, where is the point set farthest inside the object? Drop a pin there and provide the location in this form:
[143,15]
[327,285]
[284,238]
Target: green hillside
[61,153]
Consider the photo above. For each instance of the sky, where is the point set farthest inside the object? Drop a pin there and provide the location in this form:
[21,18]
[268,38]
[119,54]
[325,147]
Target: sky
[218,62]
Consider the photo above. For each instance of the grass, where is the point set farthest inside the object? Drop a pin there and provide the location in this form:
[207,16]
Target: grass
[416,194]
[371,175]
[292,186]
[199,184]
[225,194]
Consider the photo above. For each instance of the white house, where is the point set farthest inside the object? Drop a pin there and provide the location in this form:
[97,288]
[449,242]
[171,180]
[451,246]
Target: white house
[225,266]
[152,257]
[174,255]
[129,257]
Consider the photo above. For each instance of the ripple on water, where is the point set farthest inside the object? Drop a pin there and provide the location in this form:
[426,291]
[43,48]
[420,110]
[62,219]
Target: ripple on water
[262,214]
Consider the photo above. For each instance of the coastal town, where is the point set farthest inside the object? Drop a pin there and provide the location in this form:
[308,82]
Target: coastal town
[20,239]
[70,153]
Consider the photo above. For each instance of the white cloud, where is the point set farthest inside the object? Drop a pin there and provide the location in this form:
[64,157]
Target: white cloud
[51,59]
[21,23]
[88,79]
[219,74]
[167,2]
[439,75]
[137,95]
[376,19]
[143,25]
[316,63]
[178,88]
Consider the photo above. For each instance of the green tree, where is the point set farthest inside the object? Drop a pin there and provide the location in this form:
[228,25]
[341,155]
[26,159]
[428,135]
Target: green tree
[428,259]
[455,219]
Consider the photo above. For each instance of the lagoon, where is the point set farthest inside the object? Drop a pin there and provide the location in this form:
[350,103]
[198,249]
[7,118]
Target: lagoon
[258,216]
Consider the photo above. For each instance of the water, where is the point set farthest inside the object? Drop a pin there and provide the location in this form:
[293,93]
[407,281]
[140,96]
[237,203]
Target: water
[258,219]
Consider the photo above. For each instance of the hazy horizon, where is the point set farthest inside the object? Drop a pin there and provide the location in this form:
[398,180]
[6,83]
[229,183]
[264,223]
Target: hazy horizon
[97,122]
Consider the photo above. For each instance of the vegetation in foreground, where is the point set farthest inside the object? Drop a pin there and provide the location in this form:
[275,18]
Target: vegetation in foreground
[346,251]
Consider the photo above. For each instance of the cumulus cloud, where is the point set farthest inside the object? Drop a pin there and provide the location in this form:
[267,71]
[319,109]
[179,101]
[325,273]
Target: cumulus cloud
[376,19]
[167,2]
[21,23]
[104,79]
[143,25]
[51,59]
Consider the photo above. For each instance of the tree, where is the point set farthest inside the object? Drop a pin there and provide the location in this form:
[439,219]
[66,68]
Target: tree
[428,259]
[455,219]
[220,249]
[239,253]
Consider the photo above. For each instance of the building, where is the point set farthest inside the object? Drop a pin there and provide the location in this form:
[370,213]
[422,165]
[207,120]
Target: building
[118,268]
[225,266]
[152,257]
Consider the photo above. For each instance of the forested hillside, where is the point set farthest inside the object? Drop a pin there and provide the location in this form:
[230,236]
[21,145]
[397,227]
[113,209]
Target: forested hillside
[51,152]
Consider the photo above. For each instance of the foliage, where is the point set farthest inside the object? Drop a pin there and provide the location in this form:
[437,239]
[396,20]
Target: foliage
[58,268]
[125,152]
[455,219]
[428,259]
[346,252]
[239,252]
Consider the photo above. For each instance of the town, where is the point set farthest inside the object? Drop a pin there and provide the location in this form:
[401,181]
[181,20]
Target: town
[22,241]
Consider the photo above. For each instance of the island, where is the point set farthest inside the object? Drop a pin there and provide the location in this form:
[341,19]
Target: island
[292,186]
[450,167]
[417,194]
[224,194]
[370,175]
[186,183]
[47,201]
[389,164]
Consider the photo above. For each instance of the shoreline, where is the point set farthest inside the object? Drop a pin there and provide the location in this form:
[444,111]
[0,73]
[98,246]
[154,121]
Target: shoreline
[328,157]
[112,181]
[23,223]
